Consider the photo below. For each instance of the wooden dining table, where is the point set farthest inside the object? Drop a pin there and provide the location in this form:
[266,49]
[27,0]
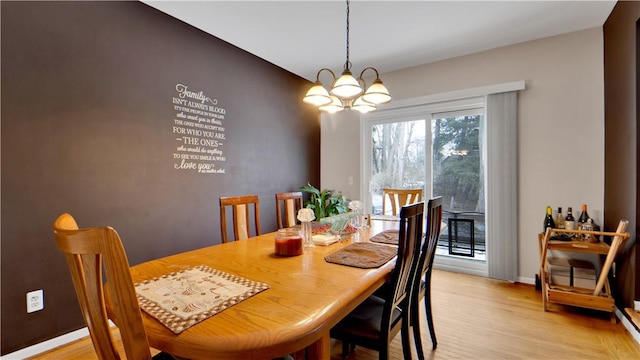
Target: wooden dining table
[307,296]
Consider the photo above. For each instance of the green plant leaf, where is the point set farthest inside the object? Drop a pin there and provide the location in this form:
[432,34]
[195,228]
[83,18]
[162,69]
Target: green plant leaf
[310,189]
[326,202]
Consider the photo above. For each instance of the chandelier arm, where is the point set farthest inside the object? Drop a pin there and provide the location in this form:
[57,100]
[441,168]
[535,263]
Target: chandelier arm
[333,75]
[362,82]
[372,68]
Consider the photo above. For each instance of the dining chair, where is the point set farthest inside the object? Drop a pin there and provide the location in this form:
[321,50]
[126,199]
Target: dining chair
[287,206]
[242,216]
[397,198]
[422,279]
[377,320]
[92,253]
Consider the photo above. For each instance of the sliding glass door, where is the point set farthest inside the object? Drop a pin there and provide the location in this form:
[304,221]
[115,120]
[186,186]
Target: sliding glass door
[439,149]
[458,173]
[397,158]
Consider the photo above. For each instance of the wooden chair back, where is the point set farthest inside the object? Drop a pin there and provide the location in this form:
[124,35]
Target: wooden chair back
[422,280]
[91,253]
[242,214]
[378,319]
[397,198]
[409,241]
[287,206]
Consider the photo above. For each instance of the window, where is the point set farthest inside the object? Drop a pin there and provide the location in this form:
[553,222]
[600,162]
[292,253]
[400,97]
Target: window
[398,158]
[474,169]
[436,148]
[457,174]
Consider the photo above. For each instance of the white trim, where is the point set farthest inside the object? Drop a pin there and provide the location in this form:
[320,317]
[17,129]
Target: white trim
[84,332]
[464,266]
[456,94]
[50,344]
[45,346]
[417,108]
[635,334]
[526,280]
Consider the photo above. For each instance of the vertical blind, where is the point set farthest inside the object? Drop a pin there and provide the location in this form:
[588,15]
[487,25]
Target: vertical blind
[502,185]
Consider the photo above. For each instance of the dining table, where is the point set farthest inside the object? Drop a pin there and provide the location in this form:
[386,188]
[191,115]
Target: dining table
[306,296]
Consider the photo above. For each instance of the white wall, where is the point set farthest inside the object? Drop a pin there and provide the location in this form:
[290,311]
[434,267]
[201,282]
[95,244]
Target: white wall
[561,125]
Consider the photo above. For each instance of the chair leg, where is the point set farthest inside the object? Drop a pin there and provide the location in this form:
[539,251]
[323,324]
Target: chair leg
[383,354]
[406,335]
[345,349]
[165,356]
[427,306]
[415,323]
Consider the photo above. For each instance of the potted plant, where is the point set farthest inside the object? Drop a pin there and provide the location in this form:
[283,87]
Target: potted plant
[326,202]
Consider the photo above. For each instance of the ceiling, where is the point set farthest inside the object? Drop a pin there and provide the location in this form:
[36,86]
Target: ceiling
[304,36]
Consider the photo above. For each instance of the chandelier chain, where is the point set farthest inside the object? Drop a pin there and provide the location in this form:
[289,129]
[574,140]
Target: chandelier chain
[347,65]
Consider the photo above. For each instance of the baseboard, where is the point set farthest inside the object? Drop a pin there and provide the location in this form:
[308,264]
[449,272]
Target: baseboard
[464,266]
[84,332]
[44,346]
[635,333]
[526,280]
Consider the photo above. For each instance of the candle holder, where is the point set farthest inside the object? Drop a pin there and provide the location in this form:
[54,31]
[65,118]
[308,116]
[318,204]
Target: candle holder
[288,242]
[306,216]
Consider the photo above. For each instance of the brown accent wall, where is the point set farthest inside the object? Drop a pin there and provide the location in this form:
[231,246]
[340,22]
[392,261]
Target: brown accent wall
[87,117]
[621,200]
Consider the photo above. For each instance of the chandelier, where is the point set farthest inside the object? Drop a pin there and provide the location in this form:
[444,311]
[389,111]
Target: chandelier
[347,92]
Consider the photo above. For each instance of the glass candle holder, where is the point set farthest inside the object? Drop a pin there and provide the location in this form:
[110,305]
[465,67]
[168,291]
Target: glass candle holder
[288,242]
[307,234]
[305,216]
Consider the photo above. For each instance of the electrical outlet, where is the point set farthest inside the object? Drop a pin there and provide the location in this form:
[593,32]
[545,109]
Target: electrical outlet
[35,301]
[636,305]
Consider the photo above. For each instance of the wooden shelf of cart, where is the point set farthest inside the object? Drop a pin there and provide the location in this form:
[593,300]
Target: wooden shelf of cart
[597,298]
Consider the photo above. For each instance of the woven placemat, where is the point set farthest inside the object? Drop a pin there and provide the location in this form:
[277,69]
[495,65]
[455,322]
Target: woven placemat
[386,237]
[182,299]
[363,255]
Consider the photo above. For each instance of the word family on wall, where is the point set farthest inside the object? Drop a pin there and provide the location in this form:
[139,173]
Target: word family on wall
[200,134]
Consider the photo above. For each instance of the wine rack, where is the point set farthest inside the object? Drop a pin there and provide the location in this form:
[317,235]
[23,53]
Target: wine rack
[599,298]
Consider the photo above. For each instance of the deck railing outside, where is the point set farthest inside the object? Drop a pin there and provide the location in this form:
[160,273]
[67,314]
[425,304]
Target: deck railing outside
[464,233]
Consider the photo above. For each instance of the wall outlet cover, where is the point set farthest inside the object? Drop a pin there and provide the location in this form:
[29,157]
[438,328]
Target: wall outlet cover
[35,301]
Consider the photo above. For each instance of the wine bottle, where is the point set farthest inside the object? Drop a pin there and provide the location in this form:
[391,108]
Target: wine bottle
[560,223]
[570,221]
[584,216]
[548,219]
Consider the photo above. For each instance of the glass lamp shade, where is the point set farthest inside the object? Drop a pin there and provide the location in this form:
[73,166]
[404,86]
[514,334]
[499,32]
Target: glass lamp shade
[362,106]
[317,95]
[346,87]
[377,93]
[334,107]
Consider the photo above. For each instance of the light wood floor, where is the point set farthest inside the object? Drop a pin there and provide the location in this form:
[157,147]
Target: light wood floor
[479,318]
